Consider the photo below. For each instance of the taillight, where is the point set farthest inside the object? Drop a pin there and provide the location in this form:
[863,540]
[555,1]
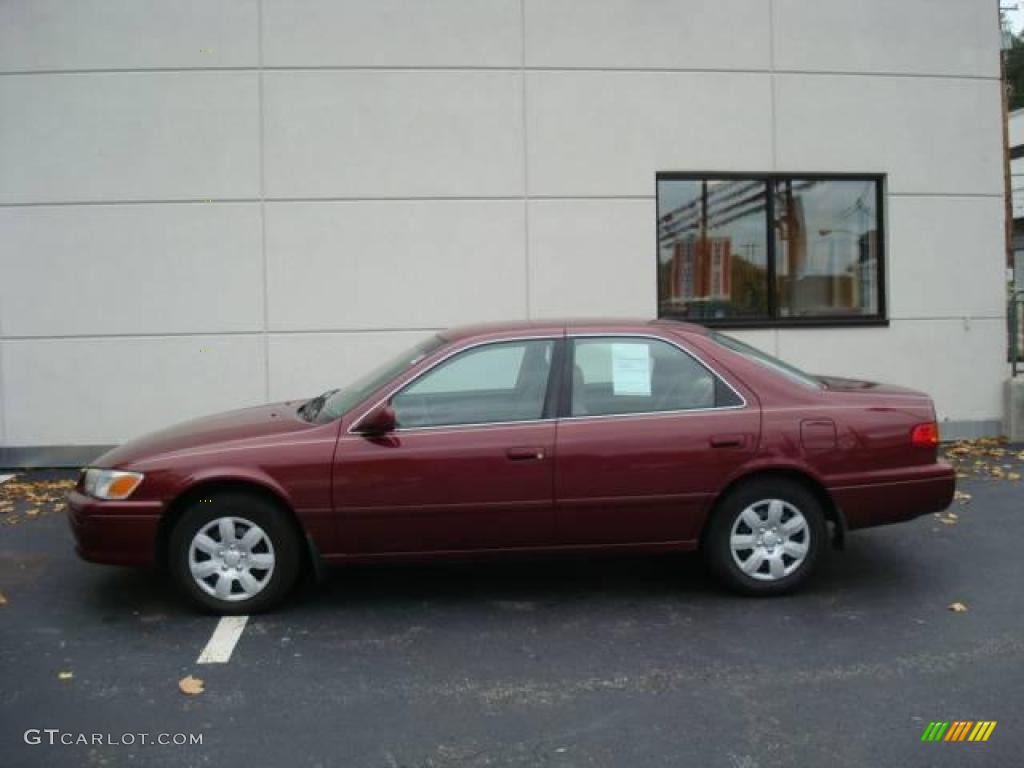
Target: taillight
[925,435]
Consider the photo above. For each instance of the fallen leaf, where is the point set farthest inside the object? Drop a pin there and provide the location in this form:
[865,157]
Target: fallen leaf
[65,675]
[1013,475]
[962,497]
[3,599]
[957,607]
[190,686]
[31,512]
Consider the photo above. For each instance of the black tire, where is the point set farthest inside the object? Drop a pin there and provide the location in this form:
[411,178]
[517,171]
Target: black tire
[281,543]
[757,493]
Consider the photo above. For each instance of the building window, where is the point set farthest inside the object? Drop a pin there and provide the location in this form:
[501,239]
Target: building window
[759,250]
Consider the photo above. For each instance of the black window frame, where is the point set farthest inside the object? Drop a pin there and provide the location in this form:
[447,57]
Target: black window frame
[773,319]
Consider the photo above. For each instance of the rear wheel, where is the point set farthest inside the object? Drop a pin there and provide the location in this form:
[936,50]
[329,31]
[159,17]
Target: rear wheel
[234,553]
[766,537]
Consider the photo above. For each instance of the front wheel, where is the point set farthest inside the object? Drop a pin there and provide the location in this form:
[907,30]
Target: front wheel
[234,553]
[766,537]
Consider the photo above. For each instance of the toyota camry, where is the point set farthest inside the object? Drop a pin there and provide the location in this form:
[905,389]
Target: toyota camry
[543,437]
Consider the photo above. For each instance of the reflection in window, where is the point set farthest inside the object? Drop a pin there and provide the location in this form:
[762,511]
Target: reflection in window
[769,249]
[827,247]
[713,248]
[492,383]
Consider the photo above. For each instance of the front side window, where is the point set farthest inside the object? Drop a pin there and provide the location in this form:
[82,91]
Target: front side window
[770,249]
[624,375]
[339,401]
[492,383]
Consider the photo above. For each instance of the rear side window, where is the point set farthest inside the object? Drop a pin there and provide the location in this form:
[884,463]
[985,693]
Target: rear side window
[791,372]
[623,375]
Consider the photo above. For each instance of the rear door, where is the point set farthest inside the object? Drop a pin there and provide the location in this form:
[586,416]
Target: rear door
[650,434]
[471,464]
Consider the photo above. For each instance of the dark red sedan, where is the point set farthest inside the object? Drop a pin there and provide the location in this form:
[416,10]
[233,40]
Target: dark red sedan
[527,437]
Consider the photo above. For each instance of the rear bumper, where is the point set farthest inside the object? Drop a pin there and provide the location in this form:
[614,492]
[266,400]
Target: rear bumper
[895,496]
[114,532]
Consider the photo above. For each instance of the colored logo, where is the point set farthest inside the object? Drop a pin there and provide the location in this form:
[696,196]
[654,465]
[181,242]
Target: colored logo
[958,730]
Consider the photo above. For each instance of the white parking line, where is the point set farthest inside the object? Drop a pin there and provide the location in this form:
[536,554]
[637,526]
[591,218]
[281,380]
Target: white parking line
[223,640]
[5,478]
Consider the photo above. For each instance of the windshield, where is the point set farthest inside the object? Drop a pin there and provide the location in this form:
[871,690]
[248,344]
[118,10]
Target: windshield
[333,403]
[752,353]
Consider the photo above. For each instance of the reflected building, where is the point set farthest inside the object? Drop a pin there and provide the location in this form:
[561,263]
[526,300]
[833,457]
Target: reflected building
[824,270]
[701,268]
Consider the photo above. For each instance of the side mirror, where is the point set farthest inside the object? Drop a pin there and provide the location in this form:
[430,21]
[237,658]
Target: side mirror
[379,421]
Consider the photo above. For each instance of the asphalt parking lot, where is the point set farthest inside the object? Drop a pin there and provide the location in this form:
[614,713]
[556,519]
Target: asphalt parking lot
[637,662]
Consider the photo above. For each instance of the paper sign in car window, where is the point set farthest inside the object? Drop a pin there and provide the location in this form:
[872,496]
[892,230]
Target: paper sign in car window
[631,369]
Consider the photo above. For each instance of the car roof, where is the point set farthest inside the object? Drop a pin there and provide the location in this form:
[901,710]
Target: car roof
[569,325]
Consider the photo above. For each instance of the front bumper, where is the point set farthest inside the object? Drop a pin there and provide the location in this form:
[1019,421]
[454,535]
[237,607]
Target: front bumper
[895,496]
[114,532]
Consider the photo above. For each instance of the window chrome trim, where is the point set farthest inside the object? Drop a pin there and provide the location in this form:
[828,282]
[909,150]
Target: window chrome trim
[671,342]
[391,393]
[568,338]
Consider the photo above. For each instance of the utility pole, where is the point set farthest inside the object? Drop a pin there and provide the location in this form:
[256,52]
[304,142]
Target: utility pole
[1007,184]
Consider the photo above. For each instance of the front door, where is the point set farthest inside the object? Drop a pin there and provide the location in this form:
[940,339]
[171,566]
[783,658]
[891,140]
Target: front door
[470,465]
[650,436]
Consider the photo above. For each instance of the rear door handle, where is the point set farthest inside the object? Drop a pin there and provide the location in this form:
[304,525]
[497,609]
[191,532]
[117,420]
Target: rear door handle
[728,441]
[525,454]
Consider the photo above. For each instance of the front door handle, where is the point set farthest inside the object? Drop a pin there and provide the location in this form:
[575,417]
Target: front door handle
[525,454]
[728,441]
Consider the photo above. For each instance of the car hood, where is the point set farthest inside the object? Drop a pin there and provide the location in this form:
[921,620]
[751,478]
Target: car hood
[229,427]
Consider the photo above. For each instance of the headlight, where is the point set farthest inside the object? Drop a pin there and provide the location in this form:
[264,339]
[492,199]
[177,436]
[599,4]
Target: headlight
[111,484]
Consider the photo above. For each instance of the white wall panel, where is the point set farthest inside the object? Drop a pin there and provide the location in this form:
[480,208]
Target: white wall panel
[932,135]
[393,134]
[592,258]
[961,364]
[391,33]
[413,128]
[946,257]
[124,34]
[303,365]
[606,133]
[669,34]
[129,136]
[106,269]
[941,37]
[99,391]
[389,264]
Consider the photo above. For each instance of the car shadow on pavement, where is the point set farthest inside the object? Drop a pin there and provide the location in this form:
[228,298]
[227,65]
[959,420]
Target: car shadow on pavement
[127,593]
[872,565]
[864,569]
